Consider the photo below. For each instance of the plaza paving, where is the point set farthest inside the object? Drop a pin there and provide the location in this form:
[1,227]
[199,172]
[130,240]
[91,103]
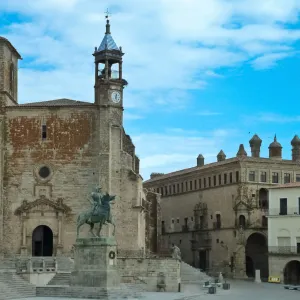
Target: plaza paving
[239,290]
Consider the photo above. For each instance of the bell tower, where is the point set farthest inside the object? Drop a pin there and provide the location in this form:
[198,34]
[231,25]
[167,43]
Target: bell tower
[109,82]
[9,57]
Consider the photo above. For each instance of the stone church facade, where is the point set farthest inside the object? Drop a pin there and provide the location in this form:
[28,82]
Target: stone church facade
[217,213]
[53,153]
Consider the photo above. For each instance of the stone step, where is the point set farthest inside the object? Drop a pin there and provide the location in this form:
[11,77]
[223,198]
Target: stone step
[60,279]
[12,286]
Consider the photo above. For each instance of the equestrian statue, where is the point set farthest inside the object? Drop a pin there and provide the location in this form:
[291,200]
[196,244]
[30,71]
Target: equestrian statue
[99,212]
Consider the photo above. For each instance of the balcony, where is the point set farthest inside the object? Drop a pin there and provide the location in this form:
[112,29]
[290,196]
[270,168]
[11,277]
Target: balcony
[217,225]
[185,228]
[290,211]
[285,250]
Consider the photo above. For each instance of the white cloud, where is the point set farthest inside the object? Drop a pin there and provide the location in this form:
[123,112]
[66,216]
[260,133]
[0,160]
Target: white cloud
[177,148]
[277,118]
[208,113]
[268,61]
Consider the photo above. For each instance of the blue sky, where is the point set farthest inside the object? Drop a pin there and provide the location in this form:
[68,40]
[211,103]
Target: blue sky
[203,75]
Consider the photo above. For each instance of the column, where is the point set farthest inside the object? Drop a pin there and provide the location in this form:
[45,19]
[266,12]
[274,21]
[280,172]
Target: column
[120,70]
[106,69]
[24,235]
[59,246]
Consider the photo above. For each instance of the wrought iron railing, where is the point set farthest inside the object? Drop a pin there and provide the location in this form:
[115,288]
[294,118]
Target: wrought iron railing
[293,250]
[284,212]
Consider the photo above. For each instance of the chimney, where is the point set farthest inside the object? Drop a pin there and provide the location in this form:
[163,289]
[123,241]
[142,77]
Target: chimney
[200,160]
[221,156]
[154,175]
[255,144]
[242,152]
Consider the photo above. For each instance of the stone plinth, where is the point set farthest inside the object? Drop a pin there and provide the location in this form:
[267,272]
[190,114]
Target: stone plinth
[95,263]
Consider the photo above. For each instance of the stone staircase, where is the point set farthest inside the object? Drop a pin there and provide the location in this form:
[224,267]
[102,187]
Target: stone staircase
[12,286]
[191,275]
[60,279]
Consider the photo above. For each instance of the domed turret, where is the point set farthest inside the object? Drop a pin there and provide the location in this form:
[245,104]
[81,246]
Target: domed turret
[255,144]
[221,156]
[275,149]
[200,160]
[296,148]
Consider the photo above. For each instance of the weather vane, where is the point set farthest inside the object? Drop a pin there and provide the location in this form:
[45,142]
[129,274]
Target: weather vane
[107,14]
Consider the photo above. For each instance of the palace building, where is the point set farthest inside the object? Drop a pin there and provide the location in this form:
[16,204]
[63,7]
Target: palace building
[53,153]
[216,213]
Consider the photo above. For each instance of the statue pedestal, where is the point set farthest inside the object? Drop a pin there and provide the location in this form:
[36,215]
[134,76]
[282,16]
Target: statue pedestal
[95,263]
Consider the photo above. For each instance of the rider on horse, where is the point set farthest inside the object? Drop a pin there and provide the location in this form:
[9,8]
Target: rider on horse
[97,204]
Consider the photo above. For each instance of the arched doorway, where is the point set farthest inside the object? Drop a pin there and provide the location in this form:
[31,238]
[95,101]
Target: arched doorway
[292,272]
[42,241]
[257,256]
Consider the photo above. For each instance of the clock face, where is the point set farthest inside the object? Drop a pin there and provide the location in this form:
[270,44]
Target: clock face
[116,97]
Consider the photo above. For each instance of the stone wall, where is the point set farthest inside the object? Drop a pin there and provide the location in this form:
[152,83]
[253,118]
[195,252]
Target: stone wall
[277,264]
[147,270]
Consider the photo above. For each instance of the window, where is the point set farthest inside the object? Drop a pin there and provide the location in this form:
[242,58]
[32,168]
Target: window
[44,132]
[242,221]
[215,180]
[163,227]
[297,177]
[209,181]
[287,177]
[12,77]
[177,187]
[263,176]
[191,185]
[162,191]
[192,219]
[177,220]
[264,221]
[204,182]
[251,176]
[230,177]
[237,176]
[195,182]
[217,241]
[173,221]
[298,247]
[225,178]
[275,177]
[220,179]
[166,190]
[181,187]
[170,189]
[44,172]
[218,223]
[200,184]
[173,188]
[283,206]
[186,186]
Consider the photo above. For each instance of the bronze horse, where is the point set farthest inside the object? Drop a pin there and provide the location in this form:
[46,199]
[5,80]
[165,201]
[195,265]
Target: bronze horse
[102,217]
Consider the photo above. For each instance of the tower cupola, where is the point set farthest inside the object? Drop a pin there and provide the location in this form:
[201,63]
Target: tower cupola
[255,144]
[108,64]
[295,148]
[275,149]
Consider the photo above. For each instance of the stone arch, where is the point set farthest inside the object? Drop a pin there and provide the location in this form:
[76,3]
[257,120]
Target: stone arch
[263,198]
[42,241]
[256,253]
[291,272]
